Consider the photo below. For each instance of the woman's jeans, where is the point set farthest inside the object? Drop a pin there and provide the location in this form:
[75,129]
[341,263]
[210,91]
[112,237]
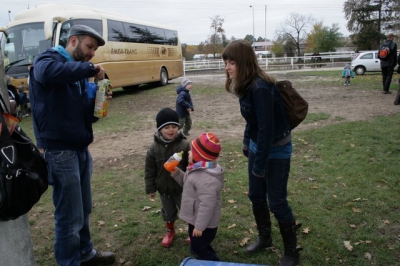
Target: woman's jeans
[69,174]
[272,188]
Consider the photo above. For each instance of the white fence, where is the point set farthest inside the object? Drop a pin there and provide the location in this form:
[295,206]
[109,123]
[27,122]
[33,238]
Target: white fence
[328,59]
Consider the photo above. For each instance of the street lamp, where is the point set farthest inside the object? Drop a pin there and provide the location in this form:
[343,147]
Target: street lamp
[254,36]
[265,37]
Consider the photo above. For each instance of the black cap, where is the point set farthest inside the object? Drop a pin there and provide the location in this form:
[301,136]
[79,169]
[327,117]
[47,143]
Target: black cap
[85,30]
[165,117]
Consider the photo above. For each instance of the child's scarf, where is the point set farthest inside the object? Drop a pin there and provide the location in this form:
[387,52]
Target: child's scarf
[200,164]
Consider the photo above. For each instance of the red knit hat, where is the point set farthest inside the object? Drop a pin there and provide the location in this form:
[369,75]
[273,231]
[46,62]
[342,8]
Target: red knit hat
[206,147]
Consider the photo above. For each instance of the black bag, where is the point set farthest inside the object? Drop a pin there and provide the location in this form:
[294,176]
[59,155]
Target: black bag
[23,172]
[295,105]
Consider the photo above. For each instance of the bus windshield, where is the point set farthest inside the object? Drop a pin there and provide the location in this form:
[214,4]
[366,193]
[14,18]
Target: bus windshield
[24,42]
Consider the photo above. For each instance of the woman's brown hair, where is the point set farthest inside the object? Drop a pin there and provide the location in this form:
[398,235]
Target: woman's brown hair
[241,52]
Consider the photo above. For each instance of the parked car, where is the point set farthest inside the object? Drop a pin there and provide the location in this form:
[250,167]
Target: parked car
[366,62]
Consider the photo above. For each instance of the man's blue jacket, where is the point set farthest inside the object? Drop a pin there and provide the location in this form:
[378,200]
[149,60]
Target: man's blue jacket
[62,112]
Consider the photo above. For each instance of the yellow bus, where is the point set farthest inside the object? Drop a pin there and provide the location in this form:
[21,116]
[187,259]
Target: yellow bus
[135,52]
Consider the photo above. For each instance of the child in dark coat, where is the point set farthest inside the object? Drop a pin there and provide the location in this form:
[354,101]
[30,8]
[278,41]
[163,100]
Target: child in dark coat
[184,105]
[167,141]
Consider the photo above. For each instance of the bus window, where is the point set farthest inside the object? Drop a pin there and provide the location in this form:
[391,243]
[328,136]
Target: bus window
[66,26]
[156,35]
[171,37]
[116,31]
[135,32]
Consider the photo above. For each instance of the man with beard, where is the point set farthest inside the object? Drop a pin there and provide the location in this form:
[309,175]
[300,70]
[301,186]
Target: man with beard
[62,107]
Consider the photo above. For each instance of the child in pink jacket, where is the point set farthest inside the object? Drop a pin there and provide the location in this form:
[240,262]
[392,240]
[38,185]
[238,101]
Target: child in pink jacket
[201,197]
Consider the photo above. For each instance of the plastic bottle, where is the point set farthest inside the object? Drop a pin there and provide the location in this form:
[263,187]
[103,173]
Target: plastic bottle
[173,161]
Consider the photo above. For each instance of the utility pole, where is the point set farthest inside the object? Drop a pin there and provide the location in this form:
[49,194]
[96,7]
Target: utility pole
[15,241]
[254,36]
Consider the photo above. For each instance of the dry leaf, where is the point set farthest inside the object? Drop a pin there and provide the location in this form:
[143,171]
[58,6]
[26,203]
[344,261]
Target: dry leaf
[368,256]
[246,193]
[314,187]
[231,226]
[244,241]
[352,145]
[306,230]
[251,231]
[101,223]
[152,199]
[348,245]
[386,222]
[146,208]
[335,196]
[356,210]
[353,226]
[231,201]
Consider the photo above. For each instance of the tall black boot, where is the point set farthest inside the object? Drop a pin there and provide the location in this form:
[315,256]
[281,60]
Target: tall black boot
[291,255]
[263,221]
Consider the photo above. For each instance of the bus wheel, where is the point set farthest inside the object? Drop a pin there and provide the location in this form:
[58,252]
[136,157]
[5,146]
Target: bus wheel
[163,77]
[130,88]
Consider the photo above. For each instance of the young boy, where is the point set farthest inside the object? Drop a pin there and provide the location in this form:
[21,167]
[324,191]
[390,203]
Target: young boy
[201,197]
[167,141]
[184,105]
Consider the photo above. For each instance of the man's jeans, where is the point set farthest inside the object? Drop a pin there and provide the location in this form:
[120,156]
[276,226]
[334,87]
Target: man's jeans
[69,174]
[272,186]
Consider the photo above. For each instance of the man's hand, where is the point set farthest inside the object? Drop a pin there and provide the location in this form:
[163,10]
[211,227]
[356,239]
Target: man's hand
[100,71]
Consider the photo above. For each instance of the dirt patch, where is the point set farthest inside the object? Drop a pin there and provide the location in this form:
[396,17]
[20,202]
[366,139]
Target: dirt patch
[343,103]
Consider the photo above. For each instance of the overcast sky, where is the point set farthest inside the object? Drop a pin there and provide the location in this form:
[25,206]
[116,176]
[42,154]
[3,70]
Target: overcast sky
[192,17]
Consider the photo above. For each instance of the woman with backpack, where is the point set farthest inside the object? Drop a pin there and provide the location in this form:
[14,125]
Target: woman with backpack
[267,145]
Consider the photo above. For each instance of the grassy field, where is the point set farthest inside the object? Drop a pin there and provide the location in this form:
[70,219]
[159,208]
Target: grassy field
[344,189]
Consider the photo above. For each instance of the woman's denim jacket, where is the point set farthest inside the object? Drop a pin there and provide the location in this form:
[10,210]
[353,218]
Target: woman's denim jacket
[266,121]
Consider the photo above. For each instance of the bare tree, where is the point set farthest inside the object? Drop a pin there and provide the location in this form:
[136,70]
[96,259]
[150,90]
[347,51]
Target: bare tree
[217,40]
[294,29]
